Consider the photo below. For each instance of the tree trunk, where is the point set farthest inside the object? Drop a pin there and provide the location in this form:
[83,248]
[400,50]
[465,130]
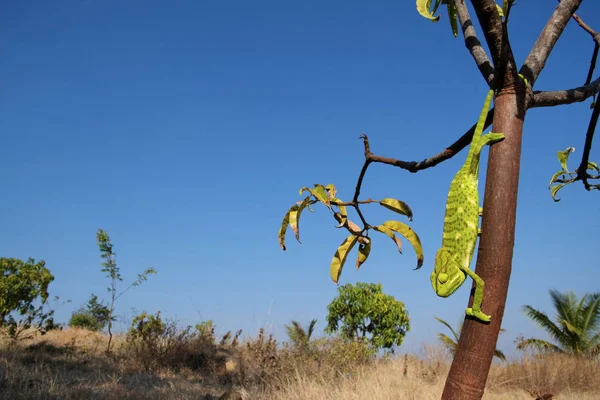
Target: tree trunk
[476,346]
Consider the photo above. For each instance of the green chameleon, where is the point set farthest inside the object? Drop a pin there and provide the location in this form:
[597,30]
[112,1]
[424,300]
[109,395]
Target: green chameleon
[461,223]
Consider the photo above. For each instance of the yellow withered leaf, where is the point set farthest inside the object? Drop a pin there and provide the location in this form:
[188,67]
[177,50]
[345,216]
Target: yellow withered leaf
[363,252]
[424,8]
[346,223]
[320,194]
[398,206]
[555,190]
[343,212]
[331,190]
[410,235]
[390,233]
[295,218]
[337,263]
[284,225]
[500,10]
[563,156]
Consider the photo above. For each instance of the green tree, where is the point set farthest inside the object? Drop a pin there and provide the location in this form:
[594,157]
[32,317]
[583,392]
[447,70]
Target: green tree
[22,286]
[576,328]
[299,337]
[109,266]
[451,343]
[94,316]
[363,313]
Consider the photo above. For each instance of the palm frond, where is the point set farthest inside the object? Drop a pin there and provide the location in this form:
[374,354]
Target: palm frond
[564,304]
[539,344]
[311,328]
[448,342]
[454,333]
[499,354]
[591,314]
[544,322]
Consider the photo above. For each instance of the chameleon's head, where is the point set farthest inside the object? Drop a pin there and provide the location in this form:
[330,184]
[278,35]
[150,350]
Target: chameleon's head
[446,277]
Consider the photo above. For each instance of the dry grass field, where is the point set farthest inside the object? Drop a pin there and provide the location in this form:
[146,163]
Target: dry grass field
[72,364]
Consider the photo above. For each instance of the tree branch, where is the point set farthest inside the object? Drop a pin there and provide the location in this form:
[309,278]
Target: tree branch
[472,42]
[536,60]
[491,24]
[589,136]
[559,97]
[415,166]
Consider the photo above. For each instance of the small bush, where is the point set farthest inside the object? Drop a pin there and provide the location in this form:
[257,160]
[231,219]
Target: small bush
[154,342]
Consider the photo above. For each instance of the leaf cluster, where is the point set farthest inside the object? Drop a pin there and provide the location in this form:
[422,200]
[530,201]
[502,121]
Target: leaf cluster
[327,195]
[564,177]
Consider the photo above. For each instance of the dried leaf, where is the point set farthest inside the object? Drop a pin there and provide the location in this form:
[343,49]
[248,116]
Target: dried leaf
[555,190]
[343,211]
[364,250]
[331,190]
[423,7]
[319,193]
[398,206]
[337,263]
[563,156]
[295,218]
[390,233]
[500,10]
[284,225]
[346,223]
[410,235]
[555,177]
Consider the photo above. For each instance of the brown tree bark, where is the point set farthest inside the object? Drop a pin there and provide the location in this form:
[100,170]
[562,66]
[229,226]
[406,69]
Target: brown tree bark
[470,367]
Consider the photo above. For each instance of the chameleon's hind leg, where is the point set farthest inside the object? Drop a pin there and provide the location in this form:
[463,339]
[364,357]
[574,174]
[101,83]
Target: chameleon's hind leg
[475,309]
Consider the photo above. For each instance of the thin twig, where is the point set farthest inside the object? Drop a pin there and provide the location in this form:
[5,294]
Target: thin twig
[351,203]
[589,136]
[447,153]
[592,63]
[355,203]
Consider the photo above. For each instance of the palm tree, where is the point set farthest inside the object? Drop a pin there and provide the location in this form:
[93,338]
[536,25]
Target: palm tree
[299,337]
[576,329]
[452,343]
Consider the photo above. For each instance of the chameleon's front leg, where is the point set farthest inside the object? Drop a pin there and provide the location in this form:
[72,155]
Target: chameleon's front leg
[475,309]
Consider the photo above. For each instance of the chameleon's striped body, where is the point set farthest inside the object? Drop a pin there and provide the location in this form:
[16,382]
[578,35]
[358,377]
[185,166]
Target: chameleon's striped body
[461,223]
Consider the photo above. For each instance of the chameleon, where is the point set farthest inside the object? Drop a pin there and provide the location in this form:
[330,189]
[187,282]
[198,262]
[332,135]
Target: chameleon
[461,223]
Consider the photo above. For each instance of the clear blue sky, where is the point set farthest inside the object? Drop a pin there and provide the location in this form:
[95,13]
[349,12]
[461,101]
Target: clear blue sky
[186,128]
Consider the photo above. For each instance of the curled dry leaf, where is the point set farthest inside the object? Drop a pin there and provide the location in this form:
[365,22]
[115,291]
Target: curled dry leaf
[331,190]
[295,218]
[284,225]
[364,249]
[424,8]
[398,206]
[563,156]
[337,263]
[343,211]
[346,223]
[319,192]
[410,235]
[390,233]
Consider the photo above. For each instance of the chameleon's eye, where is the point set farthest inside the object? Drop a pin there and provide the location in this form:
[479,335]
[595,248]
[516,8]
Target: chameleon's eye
[443,277]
